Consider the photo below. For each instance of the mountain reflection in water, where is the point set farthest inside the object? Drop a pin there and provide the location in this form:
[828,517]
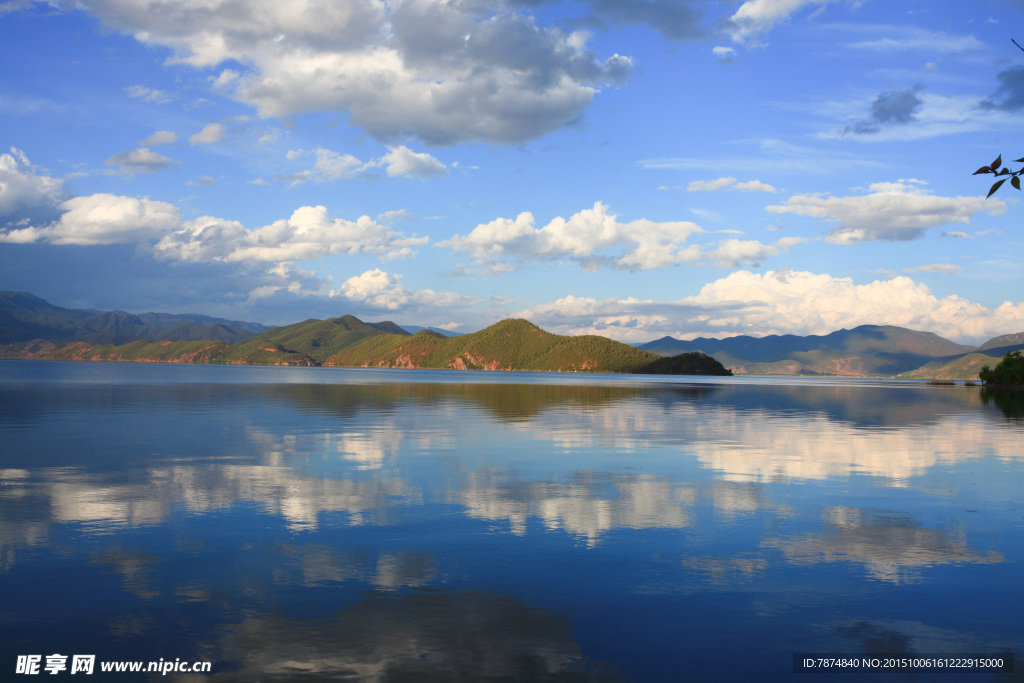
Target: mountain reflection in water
[459,530]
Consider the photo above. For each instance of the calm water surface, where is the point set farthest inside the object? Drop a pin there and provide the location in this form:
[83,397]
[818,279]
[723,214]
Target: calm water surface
[322,524]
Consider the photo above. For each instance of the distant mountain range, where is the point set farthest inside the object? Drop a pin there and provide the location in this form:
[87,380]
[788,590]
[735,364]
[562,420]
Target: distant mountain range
[864,351]
[33,328]
[24,317]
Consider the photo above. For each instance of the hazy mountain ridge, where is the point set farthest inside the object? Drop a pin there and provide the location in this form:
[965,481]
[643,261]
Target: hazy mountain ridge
[866,350]
[24,317]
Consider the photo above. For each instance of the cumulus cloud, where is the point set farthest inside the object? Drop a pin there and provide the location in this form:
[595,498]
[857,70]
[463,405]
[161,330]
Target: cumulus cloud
[441,72]
[399,161]
[896,107]
[329,165]
[211,132]
[595,238]
[402,161]
[202,181]
[160,137]
[890,212]
[25,189]
[142,160]
[732,253]
[504,243]
[381,291]
[781,302]
[103,219]
[308,234]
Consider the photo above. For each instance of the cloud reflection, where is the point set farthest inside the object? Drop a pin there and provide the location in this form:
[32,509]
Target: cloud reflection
[891,547]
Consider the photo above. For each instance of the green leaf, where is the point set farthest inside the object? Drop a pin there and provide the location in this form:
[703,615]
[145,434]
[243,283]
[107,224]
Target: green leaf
[998,162]
[994,188]
[983,169]
[1019,160]
[1015,181]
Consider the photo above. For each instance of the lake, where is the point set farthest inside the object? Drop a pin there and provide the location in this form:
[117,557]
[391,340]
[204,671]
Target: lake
[355,524]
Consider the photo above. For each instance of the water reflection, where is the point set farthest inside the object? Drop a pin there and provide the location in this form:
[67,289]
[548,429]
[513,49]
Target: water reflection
[349,461]
[891,547]
[446,530]
[1010,400]
[435,636]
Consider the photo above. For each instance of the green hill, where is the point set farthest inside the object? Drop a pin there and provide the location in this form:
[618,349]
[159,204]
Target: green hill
[307,343]
[315,339]
[506,345]
[692,363]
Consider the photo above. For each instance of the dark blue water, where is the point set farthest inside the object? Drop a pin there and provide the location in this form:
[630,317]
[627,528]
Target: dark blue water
[321,524]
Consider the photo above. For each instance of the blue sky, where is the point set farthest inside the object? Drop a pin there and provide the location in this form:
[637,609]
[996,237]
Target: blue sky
[630,168]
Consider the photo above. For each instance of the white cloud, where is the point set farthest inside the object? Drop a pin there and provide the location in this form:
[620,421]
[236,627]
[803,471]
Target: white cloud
[732,253]
[441,72]
[329,166]
[641,244]
[594,238]
[399,161]
[725,55]
[890,212]
[907,38]
[142,160]
[710,185]
[729,182]
[755,186]
[23,187]
[211,132]
[308,234]
[148,94]
[379,290]
[160,137]
[755,18]
[402,161]
[781,302]
[202,181]
[103,219]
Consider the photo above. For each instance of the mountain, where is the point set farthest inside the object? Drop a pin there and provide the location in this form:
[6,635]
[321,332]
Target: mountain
[691,363]
[314,339]
[24,317]
[1006,340]
[863,351]
[506,345]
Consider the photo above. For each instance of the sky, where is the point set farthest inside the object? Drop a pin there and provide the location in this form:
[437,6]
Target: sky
[627,168]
